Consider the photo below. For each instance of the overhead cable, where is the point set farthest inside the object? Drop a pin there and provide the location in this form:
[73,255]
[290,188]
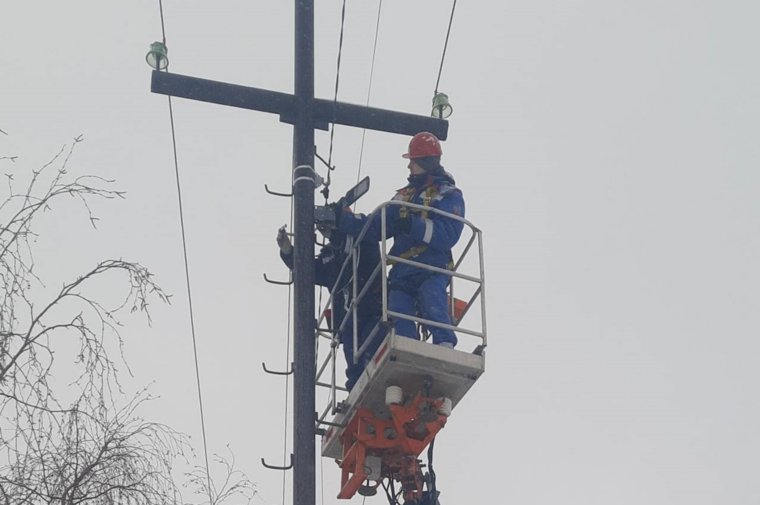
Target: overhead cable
[369,87]
[445,45]
[335,99]
[287,377]
[187,273]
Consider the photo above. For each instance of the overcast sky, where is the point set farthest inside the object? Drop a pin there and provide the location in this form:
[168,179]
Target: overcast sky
[608,149]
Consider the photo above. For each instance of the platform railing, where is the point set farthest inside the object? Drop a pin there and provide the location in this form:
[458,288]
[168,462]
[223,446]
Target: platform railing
[330,362]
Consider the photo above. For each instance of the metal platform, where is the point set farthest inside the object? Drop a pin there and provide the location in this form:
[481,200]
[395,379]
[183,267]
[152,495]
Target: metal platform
[405,362]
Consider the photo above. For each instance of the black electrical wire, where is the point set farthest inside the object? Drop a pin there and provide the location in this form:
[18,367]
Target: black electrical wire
[337,83]
[445,45]
[390,492]
[335,99]
[187,273]
[396,495]
[190,303]
[369,87]
[431,473]
[322,479]
[287,378]
[163,29]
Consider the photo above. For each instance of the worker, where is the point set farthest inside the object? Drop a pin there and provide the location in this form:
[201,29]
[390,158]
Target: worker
[327,267]
[421,236]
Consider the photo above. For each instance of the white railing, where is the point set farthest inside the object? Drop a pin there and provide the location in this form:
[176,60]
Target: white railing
[466,270]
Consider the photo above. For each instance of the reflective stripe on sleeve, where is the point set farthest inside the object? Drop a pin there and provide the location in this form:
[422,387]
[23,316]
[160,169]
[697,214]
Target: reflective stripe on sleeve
[428,236]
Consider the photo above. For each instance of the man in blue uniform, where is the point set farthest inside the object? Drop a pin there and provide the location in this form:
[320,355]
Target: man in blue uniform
[327,267]
[421,236]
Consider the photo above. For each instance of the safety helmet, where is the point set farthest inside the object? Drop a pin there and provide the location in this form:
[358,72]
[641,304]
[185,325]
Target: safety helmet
[422,145]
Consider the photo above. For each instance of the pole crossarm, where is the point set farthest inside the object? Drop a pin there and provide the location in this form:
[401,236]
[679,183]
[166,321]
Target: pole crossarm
[274,102]
[304,112]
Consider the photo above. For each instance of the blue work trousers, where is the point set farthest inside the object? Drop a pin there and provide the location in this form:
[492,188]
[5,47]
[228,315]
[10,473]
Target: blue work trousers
[355,370]
[421,294]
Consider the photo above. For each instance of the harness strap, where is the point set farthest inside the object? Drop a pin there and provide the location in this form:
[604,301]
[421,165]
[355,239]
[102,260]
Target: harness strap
[430,192]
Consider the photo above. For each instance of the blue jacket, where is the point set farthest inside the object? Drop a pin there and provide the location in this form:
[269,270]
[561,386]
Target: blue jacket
[431,236]
[327,266]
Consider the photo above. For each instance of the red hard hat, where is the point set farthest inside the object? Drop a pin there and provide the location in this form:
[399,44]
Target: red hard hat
[422,145]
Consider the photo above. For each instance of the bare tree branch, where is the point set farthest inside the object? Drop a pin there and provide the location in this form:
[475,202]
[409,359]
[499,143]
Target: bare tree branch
[72,443]
[233,483]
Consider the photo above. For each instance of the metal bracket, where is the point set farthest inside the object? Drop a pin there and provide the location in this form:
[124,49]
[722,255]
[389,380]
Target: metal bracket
[328,423]
[275,193]
[274,372]
[276,467]
[281,283]
[320,158]
[326,190]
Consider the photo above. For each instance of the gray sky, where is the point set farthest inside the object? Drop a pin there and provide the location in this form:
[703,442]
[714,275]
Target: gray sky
[608,150]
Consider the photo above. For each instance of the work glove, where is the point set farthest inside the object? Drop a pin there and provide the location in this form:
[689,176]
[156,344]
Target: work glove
[283,241]
[402,226]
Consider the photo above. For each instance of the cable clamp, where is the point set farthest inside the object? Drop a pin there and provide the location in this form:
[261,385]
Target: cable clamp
[312,176]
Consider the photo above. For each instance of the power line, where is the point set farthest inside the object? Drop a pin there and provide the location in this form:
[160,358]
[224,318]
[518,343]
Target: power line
[287,378]
[337,83]
[322,478]
[369,87]
[187,274]
[163,29]
[445,45]
[190,303]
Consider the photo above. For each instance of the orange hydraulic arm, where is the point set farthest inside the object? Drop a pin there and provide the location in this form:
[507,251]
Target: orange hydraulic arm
[396,438]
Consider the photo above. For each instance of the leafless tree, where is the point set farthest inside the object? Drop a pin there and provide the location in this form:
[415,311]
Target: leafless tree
[73,438]
[232,484]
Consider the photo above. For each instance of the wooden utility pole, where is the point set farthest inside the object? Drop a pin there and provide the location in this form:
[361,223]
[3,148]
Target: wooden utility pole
[305,113]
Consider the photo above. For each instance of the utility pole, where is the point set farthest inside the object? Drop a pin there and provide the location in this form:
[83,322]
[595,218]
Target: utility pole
[305,112]
[304,475]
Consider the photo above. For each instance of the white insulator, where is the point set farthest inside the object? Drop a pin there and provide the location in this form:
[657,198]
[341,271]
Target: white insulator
[445,408]
[393,395]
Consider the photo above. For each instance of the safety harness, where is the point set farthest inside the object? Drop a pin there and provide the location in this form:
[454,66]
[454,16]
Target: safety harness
[406,195]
